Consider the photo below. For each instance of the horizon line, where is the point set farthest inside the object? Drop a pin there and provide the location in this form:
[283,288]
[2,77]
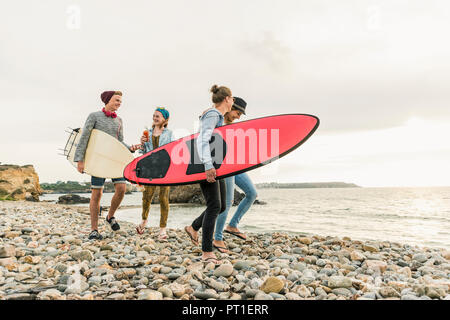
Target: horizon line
[314,182]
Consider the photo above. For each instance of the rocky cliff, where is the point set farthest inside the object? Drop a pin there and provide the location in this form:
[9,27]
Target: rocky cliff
[19,183]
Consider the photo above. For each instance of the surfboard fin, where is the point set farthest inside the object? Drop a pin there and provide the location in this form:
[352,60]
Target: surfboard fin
[72,130]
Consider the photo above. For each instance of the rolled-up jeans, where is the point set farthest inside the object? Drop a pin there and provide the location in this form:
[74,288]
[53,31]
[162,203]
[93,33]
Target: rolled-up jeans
[147,197]
[244,182]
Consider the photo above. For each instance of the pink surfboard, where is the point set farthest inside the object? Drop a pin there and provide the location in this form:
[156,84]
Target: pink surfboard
[235,148]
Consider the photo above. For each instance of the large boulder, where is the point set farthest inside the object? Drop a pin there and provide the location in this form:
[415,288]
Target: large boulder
[19,183]
[186,194]
[193,194]
[182,194]
[238,196]
[72,199]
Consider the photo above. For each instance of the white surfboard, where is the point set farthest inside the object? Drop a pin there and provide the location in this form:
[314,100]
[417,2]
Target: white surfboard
[106,157]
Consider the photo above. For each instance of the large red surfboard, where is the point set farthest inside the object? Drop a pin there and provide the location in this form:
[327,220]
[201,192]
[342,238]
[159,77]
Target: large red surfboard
[235,148]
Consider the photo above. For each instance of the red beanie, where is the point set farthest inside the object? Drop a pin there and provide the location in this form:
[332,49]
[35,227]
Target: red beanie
[106,96]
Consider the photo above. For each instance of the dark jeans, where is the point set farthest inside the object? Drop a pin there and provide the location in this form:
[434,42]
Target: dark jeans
[215,197]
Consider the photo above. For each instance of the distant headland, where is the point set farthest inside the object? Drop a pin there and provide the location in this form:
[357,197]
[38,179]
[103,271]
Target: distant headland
[306,185]
[79,187]
[84,187]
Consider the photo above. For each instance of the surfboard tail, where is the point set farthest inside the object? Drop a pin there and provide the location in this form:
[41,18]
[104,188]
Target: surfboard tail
[71,145]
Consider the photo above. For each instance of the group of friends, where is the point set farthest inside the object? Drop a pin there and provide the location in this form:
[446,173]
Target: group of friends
[218,193]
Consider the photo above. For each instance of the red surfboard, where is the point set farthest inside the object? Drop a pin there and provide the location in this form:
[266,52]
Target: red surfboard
[235,148]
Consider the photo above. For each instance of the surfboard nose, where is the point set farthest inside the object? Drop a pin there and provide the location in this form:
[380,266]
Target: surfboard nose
[307,121]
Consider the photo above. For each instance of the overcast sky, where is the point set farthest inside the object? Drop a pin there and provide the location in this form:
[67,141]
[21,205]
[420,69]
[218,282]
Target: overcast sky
[376,73]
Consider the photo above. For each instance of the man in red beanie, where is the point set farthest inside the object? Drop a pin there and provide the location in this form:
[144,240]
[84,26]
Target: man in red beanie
[105,120]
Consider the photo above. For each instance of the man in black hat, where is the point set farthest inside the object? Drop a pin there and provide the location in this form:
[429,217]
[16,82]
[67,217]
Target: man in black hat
[244,182]
[237,110]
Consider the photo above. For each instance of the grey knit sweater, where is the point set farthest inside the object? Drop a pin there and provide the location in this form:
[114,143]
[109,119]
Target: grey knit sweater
[98,120]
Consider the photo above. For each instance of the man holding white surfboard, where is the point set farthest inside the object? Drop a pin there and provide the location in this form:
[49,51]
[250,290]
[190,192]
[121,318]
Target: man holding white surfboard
[107,121]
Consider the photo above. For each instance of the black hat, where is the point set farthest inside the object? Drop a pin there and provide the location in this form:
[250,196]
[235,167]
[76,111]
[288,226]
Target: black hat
[239,104]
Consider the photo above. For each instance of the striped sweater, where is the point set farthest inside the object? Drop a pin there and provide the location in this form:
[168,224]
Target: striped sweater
[98,120]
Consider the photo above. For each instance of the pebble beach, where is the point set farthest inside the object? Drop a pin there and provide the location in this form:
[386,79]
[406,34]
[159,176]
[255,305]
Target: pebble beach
[45,255]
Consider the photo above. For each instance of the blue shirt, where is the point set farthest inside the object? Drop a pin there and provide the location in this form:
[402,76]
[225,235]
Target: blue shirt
[165,138]
[210,120]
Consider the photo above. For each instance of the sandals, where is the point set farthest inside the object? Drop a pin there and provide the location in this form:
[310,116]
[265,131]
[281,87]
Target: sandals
[140,229]
[162,235]
[194,241]
[237,234]
[221,249]
[213,260]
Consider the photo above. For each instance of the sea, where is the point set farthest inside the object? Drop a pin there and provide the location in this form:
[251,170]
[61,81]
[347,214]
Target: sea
[414,216]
